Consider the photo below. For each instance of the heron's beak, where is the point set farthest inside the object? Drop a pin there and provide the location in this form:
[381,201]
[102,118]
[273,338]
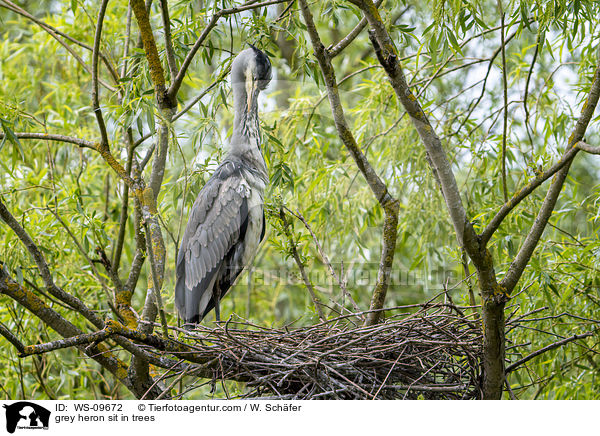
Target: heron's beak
[250,90]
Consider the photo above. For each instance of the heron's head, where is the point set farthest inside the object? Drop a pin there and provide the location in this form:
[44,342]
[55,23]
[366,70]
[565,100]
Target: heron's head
[252,68]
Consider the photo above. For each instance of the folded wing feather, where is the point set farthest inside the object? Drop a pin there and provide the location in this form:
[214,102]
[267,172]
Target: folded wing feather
[212,230]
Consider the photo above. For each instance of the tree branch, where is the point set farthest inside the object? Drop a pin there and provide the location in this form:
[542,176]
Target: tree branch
[95,102]
[140,243]
[588,148]
[45,273]
[112,328]
[104,151]
[154,239]
[474,105]
[294,251]
[164,7]
[334,50]
[325,259]
[178,80]
[160,159]
[127,41]
[493,299]
[118,248]
[205,91]
[156,71]
[117,167]
[10,336]
[523,193]
[54,320]
[388,57]
[99,353]
[389,204]
[157,275]
[505,96]
[49,137]
[101,148]
[525,252]
[526,93]
[149,196]
[550,347]
[100,279]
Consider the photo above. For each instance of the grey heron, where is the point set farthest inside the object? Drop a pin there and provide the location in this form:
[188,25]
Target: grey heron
[227,221]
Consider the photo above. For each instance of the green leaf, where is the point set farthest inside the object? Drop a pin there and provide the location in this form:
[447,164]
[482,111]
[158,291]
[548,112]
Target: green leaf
[10,135]
[140,125]
[453,41]
[150,120]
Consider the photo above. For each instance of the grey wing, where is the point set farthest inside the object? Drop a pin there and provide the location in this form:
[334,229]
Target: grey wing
[213,228]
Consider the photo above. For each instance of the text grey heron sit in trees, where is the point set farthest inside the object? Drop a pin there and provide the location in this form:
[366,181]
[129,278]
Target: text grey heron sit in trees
[227,221]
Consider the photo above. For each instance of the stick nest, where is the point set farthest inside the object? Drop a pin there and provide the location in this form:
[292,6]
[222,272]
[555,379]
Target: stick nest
[433,353]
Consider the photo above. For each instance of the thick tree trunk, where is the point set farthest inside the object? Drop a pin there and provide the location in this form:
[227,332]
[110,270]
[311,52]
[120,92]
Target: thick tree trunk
[493,299]
[493,348]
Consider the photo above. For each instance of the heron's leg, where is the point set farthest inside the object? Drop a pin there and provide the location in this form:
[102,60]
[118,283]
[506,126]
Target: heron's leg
[217,312]
[217,299]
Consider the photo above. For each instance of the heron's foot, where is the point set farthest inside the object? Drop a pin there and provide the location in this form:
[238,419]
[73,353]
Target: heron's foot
[189,326]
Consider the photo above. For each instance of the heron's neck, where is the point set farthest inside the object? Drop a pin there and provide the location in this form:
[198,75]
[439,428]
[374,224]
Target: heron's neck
[245,121]
[245,141]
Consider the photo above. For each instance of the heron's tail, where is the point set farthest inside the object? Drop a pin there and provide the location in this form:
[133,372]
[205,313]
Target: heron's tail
[187,308]
[192,303]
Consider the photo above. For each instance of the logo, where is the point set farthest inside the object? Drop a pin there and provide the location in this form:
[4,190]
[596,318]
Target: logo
[26,415]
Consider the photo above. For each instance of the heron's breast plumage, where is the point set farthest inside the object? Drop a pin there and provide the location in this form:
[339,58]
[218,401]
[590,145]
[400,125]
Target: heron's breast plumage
[255,224]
